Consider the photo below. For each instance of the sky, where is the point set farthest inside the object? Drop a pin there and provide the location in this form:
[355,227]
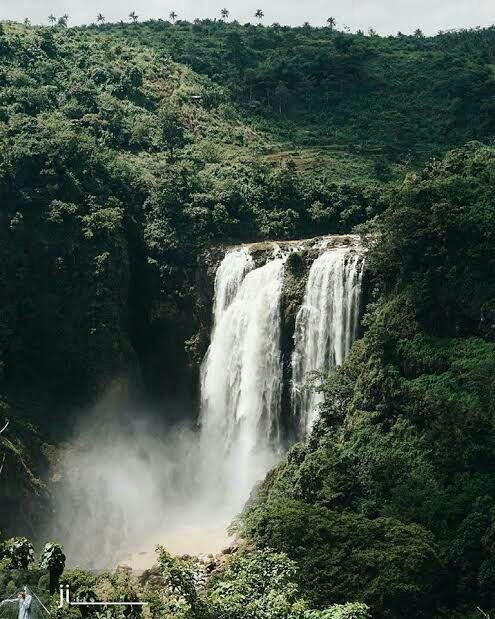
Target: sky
[384,16]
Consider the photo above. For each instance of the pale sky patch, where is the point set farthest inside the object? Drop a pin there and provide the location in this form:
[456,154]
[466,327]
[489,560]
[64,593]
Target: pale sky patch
[385,16]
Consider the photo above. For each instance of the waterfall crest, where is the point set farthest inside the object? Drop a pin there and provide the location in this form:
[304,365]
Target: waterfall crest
[241,376]
[326,326]
[228,278]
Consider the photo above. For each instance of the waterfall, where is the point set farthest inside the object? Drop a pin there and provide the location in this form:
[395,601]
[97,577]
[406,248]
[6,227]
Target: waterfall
[241,377]
[326,326]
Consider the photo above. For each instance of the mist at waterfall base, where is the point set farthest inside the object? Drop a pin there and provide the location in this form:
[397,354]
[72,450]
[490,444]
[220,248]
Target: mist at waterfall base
[128,481]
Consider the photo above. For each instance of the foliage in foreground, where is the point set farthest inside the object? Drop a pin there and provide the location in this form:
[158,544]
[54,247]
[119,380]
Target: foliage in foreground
[252,584]
[18,553]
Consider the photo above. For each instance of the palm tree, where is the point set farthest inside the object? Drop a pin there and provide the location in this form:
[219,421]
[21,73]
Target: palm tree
[100,18]
[173,16]
[224,13]
[27,22]
[259,15]
[331,21]
[62,21]
[418,33]
[133,17]
[51,18]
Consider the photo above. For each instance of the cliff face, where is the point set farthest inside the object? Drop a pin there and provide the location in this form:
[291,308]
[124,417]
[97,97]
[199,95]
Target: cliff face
[23,464]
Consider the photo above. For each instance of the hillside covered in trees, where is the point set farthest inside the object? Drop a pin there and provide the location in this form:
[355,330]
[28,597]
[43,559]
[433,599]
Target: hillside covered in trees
[392,496]
[403,98]
[127,149]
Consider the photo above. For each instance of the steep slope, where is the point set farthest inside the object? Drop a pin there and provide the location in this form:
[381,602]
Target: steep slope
[118,166]
[392,500]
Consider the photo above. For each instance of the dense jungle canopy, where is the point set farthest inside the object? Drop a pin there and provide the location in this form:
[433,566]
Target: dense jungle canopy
[127,149]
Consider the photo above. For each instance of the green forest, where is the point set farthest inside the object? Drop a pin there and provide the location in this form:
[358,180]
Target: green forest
[126,151]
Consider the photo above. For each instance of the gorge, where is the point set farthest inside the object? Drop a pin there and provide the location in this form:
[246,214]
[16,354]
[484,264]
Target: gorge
[281,311]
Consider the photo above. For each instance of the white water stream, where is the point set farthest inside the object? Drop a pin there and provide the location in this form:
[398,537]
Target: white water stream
[326,326]
[241,377]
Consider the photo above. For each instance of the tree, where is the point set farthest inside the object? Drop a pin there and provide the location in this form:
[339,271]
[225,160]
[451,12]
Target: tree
[418,33]
[282,95]
[27,21]
[133,17]
[100,18]
[53,559]
[171,129]
[236,51]
[173,16]
[259,15]
[17,554]
[331,21]
[51,18]
[224,13]
[180,577]
[63,21]
[261,584]
[353,610]
[347,548]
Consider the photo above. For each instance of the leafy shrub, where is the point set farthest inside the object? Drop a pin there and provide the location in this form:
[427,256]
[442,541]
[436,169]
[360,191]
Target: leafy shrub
[17,553]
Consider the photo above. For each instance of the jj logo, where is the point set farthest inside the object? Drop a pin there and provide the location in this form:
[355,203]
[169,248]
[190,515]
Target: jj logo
[66,601]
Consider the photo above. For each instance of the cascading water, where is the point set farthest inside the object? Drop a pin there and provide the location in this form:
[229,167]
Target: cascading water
[326,326]
[192,488]
[229,276]
[241,377]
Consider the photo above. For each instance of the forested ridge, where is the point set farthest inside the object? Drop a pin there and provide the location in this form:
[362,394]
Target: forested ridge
[404,96]
[127,149]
